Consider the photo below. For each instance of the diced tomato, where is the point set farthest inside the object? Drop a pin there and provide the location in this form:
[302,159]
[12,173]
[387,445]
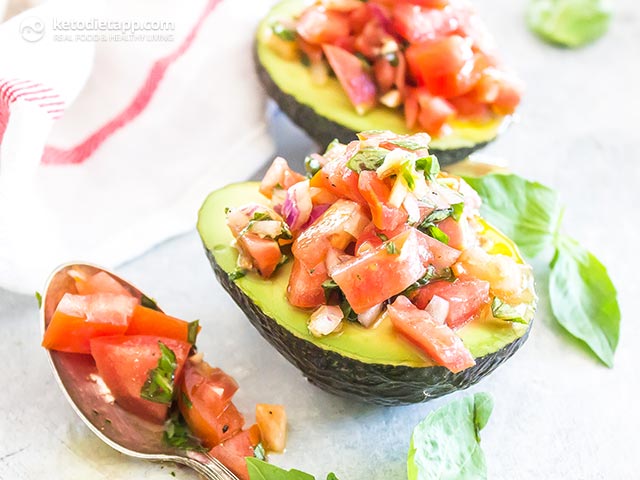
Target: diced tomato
[376,193]
[279,175]
[337,227]
[417,24]
[385,74]
[455,231]
[318,25]
[381,273]
[124,363]
[438,341]
[264,252]
[338,179]
[233,452]
[146,321]
[355,80]
[443,256]
[305,285]
[510,92]
[434,112]
[101,282]
[209,411]
[465,296]
[469,107]
[371,237]
[444,66]
[79,318]
[272,420]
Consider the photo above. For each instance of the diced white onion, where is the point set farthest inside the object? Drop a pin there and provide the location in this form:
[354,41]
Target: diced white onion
[324,320]
[438,308]
[371,316]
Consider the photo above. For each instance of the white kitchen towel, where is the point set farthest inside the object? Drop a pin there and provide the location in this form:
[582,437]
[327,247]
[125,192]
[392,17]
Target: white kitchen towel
[168,108]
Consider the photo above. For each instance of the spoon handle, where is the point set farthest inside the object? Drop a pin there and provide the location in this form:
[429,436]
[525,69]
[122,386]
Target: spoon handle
[210,467]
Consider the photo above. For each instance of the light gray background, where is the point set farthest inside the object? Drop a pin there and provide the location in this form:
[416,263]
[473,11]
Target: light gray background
[559,414]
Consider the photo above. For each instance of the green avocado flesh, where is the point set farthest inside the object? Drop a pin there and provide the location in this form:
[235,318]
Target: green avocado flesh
[331,102]
[379,345]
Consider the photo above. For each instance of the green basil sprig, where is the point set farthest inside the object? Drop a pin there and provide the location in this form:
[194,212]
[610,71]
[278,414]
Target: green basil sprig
[159,385]
[446,444]
[582,296]
[259,470]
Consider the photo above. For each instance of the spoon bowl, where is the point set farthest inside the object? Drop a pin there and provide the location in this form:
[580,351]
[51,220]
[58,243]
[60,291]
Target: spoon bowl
[78,377]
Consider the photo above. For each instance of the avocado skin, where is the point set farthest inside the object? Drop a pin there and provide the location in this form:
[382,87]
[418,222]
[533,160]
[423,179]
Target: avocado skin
[375,383]
[323,130]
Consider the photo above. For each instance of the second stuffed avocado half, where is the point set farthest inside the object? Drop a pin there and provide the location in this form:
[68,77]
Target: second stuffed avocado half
[405,304]
[462,110]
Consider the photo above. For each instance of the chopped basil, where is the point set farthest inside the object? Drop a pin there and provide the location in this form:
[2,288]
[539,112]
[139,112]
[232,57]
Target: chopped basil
[237,273]
[282,32]
[186,400]
[431,275]
[347,311]
[305,60]
[435,232]
[408,177]
[391,249]
[329,286]
[436,216]
[227,210]
[149,303]
[382,236]
[332,293]
[39,299]
[369,158]
[456,210]
[159,385]
[504,311]
[392,58]
[429,165]
[193,330]
[312,165]
[259,452]
[177,434]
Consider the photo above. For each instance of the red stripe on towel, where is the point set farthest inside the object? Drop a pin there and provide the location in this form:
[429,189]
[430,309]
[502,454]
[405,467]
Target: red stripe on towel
[82,151]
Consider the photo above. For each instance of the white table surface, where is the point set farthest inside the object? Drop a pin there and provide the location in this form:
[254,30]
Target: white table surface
[558,414]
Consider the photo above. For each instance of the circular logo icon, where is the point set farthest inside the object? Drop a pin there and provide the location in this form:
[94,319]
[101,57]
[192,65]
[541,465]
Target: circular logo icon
[32,29]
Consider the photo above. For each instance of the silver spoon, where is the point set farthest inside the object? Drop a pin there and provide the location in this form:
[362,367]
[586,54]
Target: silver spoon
[78,378]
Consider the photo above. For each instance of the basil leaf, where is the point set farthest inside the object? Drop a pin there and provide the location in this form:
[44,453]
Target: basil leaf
[446,444]
[149,303]
[436,216]
[527,212]
[39,299]
[438,234]
[408,144]
[456,210]
[177,434]
[282,32]
[347,311]
[429,165]
[192,332]
[259,452]
[583,298]
[237,273]
[312,164]
[432,275]
[159,384]
[571,23]
[369,158]
[259,470]
[391,248]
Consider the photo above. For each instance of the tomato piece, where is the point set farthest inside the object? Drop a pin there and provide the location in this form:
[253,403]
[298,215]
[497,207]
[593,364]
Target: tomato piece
[305,285]
[355,80]
[432,112]
[101,282]
[337,227]
[444,66]
[338,179]
[272,421]
[279,175]
[442,255]
[509,95]
[417,24]
[124,363]
[438,341]
[455,231]
[147,321]
[467,106]
[209,411]
[79,318]
[264,252]
[381,273]
[376,193]
[466,297]
[232,453]
[318,25]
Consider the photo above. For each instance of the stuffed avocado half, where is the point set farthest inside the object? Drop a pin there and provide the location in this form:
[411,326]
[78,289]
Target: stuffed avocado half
[461,112]
[366,351]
